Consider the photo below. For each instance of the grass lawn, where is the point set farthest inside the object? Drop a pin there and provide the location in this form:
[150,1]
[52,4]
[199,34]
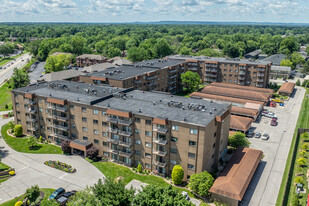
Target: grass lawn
[6,60]
[5,97]
[20,144]
[3,180]
[113,171]
[3,167]
[47,192]
[303,122]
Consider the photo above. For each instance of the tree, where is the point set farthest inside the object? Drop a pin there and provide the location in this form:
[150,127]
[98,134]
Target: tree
[92,152]
[18,130]
[19,79]
[56,63]
[6,49]
[185,51]
[159,196]
[84,198]
[78,44]
[286,62]
[32,193]
[65,146]
[231,50]
[201,183]
[301,161]
[162,48]
[289,45]
[32,142]
[296,58]
[177,174]
[113,52]
[298,83]
[139,168]
[299,180]
[11,124]
[238,140]
[306,67]
[190,81]
[137,54]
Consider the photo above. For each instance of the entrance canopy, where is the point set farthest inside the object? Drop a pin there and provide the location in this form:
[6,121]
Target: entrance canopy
[82,145]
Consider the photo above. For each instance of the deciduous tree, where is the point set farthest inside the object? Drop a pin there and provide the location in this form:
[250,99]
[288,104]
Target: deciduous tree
[201,183]
[190,81]
[238,140]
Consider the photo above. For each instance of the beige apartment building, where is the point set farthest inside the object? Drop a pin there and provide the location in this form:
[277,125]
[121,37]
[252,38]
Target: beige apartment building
[128,126]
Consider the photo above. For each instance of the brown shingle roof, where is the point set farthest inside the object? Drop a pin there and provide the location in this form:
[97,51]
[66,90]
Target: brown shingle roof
[237,93]
[236,176]
[287,87]
[245,112]
[246,88]
[240,123]
[224,98]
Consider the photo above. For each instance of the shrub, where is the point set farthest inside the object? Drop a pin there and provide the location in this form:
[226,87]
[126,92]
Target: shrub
[12,173]
[201,183]
[295,200]
[11,124]
[32,193]
[305,146]
[19,203]
[65,146]
[92,153]
[31,142]
[41,139]
[298,83]
[301,161]
[60,166]
[299,180]
[238,140]
[18,130]
[6,106]
[305,136]
[139,168]
[177,174]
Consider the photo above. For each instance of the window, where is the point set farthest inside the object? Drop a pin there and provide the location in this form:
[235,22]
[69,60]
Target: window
[147,133]
[173,162]
[190,167]
[95,111]
[192,143]
[192,155]
[147,155]
[215,135]
[71,106]
[72,116]
[104,113]
[174,139]
[85,138]
[95,121]
[137,152]
[73,135]
[148,121]
[137,131]
[193,131]
[175,127]
[148,166]
[104,123]
[40,109]
[105,154]
[17,104]
[74,126]
[85,129]
[148,144]
[84,119]
[104,134]
[137,120]
[105,144]
[137,141]
[173,150]
[96,141]
[96,131]
[83,109]
[231,70]
[213,146]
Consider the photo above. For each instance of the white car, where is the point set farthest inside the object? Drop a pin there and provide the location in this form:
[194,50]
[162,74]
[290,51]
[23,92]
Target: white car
[270,115]
[265,137]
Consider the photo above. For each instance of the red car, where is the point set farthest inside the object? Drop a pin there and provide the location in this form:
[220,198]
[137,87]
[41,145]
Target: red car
[273,123]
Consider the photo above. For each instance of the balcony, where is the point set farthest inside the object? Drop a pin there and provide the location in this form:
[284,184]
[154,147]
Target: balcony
[172,82]
[33,128]
[31,102]
[260,85]
[172,88]
[151,84]
[32,119]
[125,144]
[59,136]
[242,68]
[125,154]
[172,77]
[138,82]
[241,78]
[125,163]
[124,133]
[242,73]
[160,141]
[260,80]
[213,75]
[211,65]
[261,69]
[207,74]
[160,153]
[241,83]
[62,109]
[111,130]
[114,151]
[152,77]
[114,141]
[210,79]
[62,118]
[160,130]
[32,111]
[56,126]
[260,75]
[193,68]
[124,122]
[192,64]
[113,120]
[172,71]
[214,70]
[159,164]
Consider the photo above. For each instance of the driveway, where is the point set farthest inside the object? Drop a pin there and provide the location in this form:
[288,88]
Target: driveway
[30,171]
[264,187]
[37,72]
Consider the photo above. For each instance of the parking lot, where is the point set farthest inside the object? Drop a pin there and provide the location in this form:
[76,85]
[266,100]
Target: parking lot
[264,187]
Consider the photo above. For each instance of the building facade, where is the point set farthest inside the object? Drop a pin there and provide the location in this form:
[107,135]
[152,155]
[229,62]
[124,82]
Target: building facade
[128,126]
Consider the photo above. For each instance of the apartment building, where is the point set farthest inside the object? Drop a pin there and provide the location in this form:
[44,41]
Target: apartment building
[158,74]
[254,73]
[128,126]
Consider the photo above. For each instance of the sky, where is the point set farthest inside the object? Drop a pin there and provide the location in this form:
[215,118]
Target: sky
[108,11]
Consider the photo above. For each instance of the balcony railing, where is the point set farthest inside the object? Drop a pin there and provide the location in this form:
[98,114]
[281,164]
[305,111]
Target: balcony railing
[59,136]
[261,69]
[32,119]
[160,141]
[241,78]
[172,77]
[214,70]
[241,83]
[260,85]
[115,141]
[172,70]
[56,126]
[172,88]
[260,75]
[125,144]
[138,82]
[242,73]
[151,84]
[30,102]
[32,111]
[124,133]
[125,154]
[208,74]
[125,122]
[160,129]
[125,163]
[172,82]
[210,79]
[211,65]
[213,75]
[159,164]
[242,68]
[193,68]
[152,77]
[260,80]
[114,151]
[113,120]
[62,109]
[115,131]
[160,153]
[33,128]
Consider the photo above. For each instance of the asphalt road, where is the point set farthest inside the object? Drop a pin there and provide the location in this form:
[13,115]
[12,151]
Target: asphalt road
[37,72]
[8,72]
[264,186]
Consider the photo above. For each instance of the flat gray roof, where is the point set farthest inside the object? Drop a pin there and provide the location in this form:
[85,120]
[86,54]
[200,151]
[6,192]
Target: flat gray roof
[275,59]
[219,59]
[281,68]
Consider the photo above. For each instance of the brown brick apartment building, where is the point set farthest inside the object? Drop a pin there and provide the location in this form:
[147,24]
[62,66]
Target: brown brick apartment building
[128,126]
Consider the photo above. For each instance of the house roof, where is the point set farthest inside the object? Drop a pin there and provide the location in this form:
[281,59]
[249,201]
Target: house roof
[225,99]
[118,61]
[240,123]
[280,69]
[250,105]
[287,87]
[91,56]
[254,53]
[65,74]
[98,67]
[235,86]
[245,112]
[236,176]
[275,59]
[236,93]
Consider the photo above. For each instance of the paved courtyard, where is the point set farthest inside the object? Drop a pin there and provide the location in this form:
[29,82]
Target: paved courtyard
[264,187]
[30,170]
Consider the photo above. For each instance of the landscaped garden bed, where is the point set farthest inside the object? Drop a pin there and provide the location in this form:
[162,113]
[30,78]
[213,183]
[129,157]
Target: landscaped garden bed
[60,166]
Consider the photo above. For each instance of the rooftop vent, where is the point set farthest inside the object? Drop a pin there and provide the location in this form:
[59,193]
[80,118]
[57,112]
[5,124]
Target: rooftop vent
[215,109]
[108,105]
[154,103]
[50,94]
[77,99]
[184,119]
[139,110]
[210,112]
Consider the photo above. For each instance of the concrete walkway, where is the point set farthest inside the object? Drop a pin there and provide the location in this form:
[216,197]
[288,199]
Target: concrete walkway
[30,171]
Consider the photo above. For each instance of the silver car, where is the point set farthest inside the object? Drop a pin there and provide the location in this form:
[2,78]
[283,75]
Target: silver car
[265,137]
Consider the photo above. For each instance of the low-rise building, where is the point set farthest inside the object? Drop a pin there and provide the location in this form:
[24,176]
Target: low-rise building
[90,59]
[253,55]
[286,89]
[275,59]
[239,123]
[280,72]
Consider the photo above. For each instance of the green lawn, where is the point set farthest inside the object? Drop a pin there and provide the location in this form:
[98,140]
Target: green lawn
[5,97]
[113,171]
[20,144]
[303,122]
[3,167]
[47,193]
[3,179]
[3,61]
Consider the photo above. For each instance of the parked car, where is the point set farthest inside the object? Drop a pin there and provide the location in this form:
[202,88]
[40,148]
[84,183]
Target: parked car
[274,123]
[185,194]
[250,133]
[265,136]
[263,113]
[62,200]
[57,193]
[270,115]
[257,135]
[69,194]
